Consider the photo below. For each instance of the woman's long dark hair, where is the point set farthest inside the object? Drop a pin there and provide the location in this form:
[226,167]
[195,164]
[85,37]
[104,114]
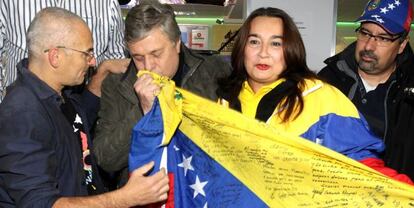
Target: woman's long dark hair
[295,58]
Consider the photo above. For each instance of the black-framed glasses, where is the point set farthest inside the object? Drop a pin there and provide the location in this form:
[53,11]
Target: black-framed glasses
[381,40]
[89,54]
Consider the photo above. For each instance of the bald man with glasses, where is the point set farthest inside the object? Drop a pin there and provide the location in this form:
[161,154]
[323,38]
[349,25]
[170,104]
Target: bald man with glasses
[377,73]
[44,127]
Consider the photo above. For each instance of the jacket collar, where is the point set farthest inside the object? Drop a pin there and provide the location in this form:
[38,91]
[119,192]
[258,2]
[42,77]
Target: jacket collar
[405,55]
[127,82]
[38,86]
[404,70]
[191,60]
[348,55]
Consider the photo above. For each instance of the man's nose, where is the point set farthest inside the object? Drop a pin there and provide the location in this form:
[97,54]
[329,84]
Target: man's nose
[148,63]
[371,44]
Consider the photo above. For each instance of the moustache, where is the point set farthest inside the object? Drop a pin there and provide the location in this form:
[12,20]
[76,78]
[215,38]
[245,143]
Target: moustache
[368,54]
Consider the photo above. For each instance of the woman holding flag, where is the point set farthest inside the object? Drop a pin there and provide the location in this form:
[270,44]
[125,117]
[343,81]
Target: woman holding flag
[271,82]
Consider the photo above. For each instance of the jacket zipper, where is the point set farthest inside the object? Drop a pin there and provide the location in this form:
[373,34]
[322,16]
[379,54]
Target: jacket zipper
[386,110]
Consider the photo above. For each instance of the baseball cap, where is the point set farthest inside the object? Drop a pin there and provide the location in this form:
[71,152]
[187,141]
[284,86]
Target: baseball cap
[393,15]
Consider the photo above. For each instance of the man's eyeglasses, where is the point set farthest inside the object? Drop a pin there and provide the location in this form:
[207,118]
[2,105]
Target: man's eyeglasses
[364,35]
[89,54]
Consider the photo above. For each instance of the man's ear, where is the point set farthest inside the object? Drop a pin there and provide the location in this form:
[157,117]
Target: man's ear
[403,44]
[178,45]
[53,57]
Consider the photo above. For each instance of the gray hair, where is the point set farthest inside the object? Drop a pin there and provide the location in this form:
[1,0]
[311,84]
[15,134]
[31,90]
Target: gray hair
[148,15]
[51,27]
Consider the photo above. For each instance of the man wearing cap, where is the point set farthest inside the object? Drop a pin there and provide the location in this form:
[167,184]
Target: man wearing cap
[376,73]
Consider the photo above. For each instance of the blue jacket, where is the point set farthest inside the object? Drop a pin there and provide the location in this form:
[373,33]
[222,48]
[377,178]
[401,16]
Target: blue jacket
[40,156]
[328,118]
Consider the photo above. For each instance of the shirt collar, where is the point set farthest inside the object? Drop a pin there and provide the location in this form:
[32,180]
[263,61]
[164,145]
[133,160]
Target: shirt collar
[39,87]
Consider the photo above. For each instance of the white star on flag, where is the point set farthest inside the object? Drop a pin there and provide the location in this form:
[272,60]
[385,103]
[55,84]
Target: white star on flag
[205,206]
[380,20]
[78,119]
[391,6]
[198,187]
[176,148]
[375,16]
[74,128]
[397,2]
[186,164]
[384,10]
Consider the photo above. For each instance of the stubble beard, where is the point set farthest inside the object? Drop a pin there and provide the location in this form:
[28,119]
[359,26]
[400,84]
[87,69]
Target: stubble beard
[368,67]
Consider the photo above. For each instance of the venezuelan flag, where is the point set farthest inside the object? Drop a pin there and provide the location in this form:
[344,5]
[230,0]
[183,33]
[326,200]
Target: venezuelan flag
[217,157]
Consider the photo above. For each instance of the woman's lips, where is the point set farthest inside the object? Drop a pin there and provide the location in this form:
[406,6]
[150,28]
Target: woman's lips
[262,67]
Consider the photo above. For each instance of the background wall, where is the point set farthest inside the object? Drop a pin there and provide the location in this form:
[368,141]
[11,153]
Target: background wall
[208,14]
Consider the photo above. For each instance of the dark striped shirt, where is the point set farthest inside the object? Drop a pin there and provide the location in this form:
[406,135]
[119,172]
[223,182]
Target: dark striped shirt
[102,16]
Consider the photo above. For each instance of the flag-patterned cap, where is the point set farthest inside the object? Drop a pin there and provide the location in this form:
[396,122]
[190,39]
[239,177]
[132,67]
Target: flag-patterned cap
[393,15]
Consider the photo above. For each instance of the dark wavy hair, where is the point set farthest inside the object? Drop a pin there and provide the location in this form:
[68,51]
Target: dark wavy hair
[295,57]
